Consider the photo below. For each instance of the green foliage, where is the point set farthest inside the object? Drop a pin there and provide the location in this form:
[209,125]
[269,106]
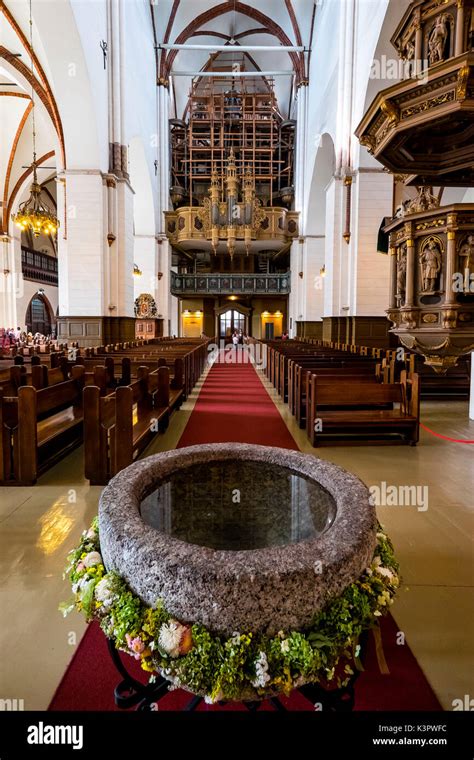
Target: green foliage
[226,667]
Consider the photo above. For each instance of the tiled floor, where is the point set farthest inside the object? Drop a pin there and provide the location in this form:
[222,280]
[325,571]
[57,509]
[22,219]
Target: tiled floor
[39,525]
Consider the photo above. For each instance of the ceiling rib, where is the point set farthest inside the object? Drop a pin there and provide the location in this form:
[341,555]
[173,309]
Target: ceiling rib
[240,48]
[233,74]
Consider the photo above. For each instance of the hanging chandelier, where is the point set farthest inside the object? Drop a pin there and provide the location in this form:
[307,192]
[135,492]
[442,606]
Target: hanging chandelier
[34,214]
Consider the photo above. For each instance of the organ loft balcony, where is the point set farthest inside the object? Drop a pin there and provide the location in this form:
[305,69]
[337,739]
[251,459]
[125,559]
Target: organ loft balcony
[232,167]
[423,126]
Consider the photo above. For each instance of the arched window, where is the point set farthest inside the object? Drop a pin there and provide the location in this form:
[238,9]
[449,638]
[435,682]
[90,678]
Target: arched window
[39,315]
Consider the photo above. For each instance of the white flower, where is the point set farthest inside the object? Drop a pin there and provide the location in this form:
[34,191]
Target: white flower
[211,701]
[103,592]
[93,558]
[261,671]
[235,638]
[91,533]
[384,571]
[285,646]
[377,561]
[77,587]
[169,638]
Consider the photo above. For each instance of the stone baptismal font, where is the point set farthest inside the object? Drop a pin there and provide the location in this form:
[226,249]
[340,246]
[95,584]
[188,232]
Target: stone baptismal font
[236,573]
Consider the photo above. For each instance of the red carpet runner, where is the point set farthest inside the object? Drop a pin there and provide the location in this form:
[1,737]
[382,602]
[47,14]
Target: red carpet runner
[234,406]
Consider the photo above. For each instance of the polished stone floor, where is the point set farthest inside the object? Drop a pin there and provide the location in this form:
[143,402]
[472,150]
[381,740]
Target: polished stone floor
[434,609]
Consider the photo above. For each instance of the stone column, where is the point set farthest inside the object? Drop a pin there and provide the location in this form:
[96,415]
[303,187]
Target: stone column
[82,244]
[459,44]
[301,152]
[11,282]
[411,272]
[167,304]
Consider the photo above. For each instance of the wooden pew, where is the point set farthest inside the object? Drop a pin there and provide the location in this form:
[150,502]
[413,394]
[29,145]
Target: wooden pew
[119,426]
[38,427]
[354,412]
[300,375]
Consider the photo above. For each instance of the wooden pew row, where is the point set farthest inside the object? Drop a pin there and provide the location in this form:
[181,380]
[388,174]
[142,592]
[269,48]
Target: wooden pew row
[41,376]
[38,427]
[194,358]
[119,426]
[121,372]
[192,366]
[292,382]
[279,355]
[45,388]
[342,413]
[454,384]
[298,382]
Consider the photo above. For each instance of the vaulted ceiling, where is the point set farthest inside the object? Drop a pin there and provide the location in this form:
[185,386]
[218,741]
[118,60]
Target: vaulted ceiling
[234,23]
[16,84]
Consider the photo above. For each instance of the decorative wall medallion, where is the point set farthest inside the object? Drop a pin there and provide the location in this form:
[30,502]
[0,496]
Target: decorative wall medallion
[145,306]
[429,318]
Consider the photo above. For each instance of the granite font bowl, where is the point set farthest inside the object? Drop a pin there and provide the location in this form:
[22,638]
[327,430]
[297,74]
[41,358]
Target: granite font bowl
[237,537]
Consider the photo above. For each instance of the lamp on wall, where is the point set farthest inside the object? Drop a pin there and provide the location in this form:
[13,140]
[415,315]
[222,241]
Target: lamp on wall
[137,271]
[322,271]
[34,213]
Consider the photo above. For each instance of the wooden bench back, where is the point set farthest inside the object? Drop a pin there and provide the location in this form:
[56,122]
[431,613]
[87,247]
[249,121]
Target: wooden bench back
[52,398]
[354,393]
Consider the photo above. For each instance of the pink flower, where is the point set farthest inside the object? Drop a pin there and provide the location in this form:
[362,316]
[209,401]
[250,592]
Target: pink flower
[135,645]
[80,567]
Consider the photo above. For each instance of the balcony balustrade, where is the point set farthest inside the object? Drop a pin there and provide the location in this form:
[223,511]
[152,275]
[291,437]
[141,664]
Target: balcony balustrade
[224,284]
[39,267]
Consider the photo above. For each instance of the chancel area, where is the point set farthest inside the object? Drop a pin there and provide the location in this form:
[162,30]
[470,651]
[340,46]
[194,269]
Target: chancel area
[236,341]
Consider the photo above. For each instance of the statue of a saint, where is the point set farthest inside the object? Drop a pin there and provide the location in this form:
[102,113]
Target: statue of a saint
[437,40]
[466,253]
[430,261]
[410,51]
